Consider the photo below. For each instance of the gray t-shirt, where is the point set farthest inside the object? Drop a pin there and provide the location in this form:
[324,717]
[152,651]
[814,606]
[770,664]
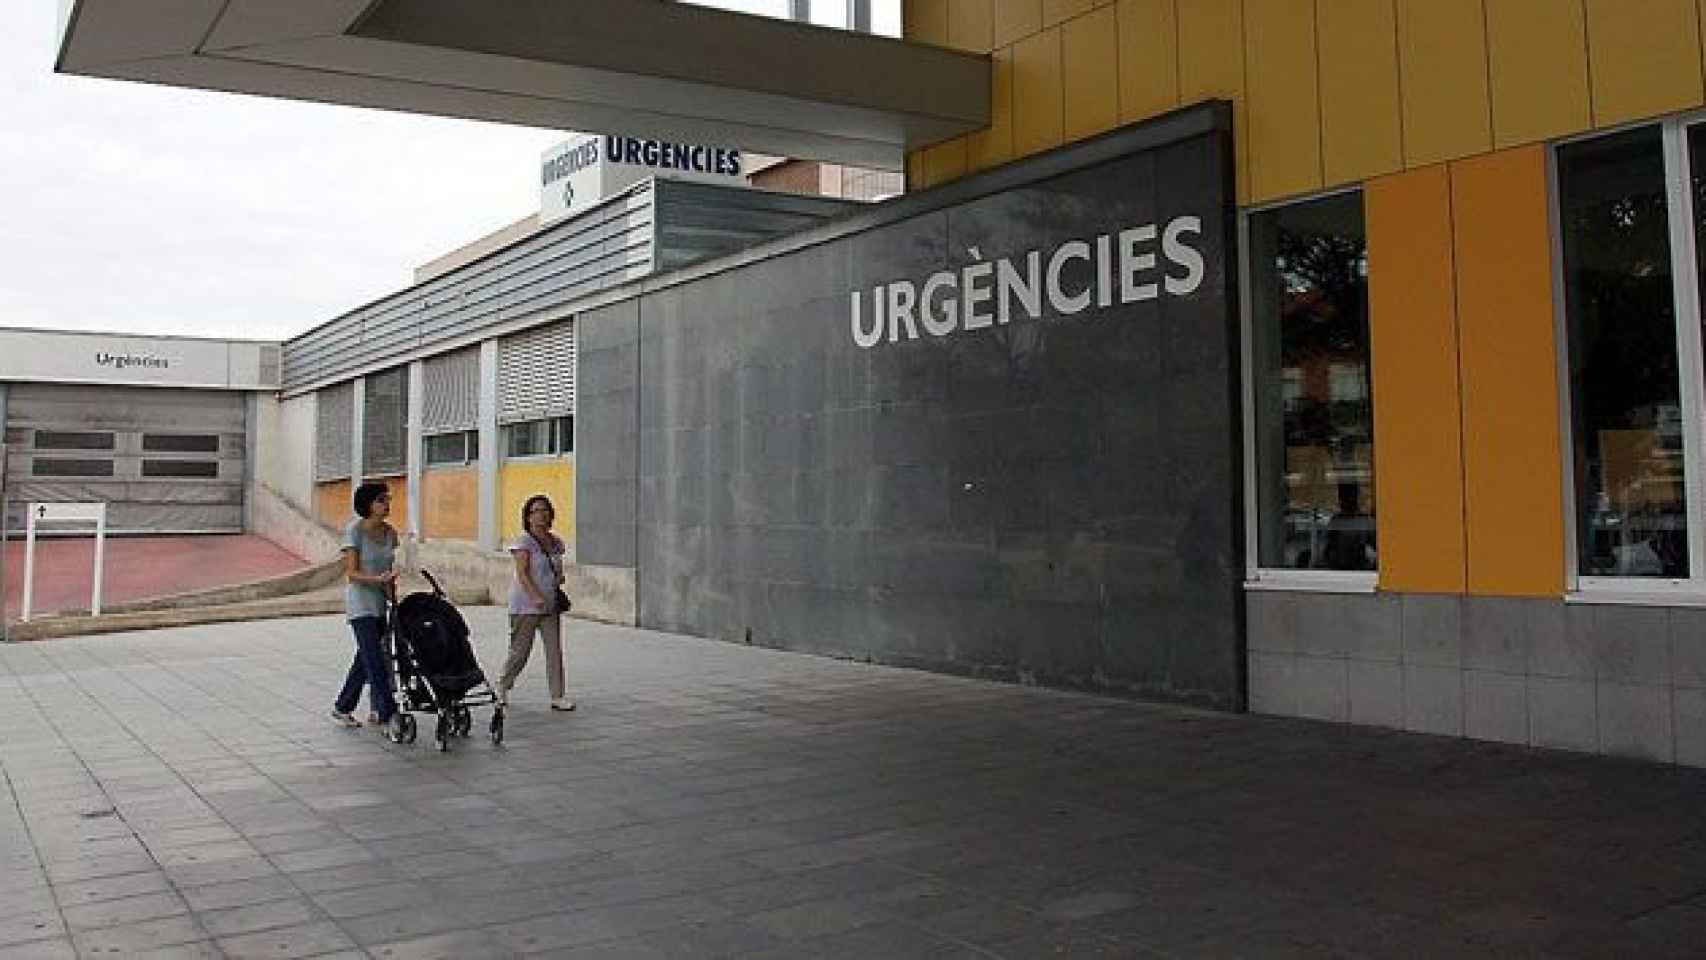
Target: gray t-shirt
[374,554]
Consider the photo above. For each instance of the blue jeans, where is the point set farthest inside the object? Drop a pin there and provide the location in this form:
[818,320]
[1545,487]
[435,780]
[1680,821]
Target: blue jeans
[369,667]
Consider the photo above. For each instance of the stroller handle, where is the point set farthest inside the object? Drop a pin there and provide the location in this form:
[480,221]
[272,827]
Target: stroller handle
[436,589]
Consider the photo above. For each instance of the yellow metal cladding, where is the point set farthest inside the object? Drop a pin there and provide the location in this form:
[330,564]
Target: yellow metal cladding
[1361,129]
[993,146]
[971,25]
[1418,438]
[1211,65]
[1324,92]
[925,21]
[1513,473]
[1284,125]
[1644,58]
[1090,74]
[1148,57]
[1059,11]
[945,161]
[1442,51]
[450,503]
[1038,114]
[518,480]
[1013,20]
[1538,57]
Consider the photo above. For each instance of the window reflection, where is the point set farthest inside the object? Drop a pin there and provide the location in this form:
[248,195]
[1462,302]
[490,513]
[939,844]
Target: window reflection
[1314,401]
[1624,382]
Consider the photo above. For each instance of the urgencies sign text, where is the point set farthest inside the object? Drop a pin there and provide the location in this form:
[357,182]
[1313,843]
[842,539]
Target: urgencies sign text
[985,293]
[647,153]
[121,361]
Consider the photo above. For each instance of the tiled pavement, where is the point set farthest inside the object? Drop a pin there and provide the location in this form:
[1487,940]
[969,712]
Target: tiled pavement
[181,793]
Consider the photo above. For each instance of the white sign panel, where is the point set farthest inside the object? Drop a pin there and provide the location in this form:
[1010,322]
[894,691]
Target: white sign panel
[575,175]
[88,512]
[66,357]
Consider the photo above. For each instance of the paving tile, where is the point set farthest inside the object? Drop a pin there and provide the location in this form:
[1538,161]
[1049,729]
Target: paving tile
[222,896]
[308,940]
[461,945]
[56,949]
[259,916]
[134,938]
[112,913]
[34,925]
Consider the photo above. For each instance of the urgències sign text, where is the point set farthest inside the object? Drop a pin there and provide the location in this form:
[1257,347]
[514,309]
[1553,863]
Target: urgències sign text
[1139,263]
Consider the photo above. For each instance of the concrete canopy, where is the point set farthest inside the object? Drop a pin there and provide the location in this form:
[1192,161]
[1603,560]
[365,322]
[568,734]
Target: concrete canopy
[649,68]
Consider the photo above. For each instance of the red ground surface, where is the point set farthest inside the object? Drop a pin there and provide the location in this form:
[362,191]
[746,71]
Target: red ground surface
[138,568]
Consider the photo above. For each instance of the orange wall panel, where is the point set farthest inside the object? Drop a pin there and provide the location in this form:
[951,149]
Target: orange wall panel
[1149,58]
[945,161]
[450,504]
[1513,475]
[1418,455]
[332,503]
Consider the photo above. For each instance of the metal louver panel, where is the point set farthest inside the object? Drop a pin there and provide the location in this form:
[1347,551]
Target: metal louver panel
[450,392]
[385,422]
[334,415]
[536,373]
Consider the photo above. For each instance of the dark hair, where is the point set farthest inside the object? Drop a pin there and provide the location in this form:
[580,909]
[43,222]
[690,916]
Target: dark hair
[527,508]
[367,493]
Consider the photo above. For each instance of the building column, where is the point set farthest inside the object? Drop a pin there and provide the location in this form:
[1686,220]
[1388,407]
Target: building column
[489,454]
[358,420]
[251,412]
[414,455]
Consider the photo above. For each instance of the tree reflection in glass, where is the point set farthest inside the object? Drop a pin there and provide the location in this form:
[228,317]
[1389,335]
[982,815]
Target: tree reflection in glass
[1314,400]
[1625,398]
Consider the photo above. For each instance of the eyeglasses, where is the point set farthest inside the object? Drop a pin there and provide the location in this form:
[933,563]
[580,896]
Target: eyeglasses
[541,510]
[382,498]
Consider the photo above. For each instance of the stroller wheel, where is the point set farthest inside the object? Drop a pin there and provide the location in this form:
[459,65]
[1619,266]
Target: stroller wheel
[497,726]
[409,728]
[442,732]
[463,722]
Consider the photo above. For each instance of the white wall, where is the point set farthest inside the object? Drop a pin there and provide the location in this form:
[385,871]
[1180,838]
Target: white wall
[284,448]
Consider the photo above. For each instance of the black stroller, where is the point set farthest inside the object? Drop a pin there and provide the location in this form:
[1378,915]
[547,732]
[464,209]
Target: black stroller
[433,669]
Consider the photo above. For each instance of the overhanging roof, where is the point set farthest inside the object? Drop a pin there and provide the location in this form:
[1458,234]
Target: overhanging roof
[649,68]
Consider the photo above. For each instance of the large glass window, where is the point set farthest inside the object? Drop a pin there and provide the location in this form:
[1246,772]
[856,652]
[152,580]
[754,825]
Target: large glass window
[1630,403]
[1314,402]
[1631,231]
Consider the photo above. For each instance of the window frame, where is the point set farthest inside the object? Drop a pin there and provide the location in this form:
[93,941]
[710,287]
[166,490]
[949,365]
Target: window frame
[554,441]
[470,439]
[1256,576]
[1686,296]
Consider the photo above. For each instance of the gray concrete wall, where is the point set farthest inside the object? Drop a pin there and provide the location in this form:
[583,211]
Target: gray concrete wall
[1619,680]
[1055,500]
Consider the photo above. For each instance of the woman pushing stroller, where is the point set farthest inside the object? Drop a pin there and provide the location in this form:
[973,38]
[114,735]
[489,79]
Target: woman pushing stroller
[369,554]
[536,601]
